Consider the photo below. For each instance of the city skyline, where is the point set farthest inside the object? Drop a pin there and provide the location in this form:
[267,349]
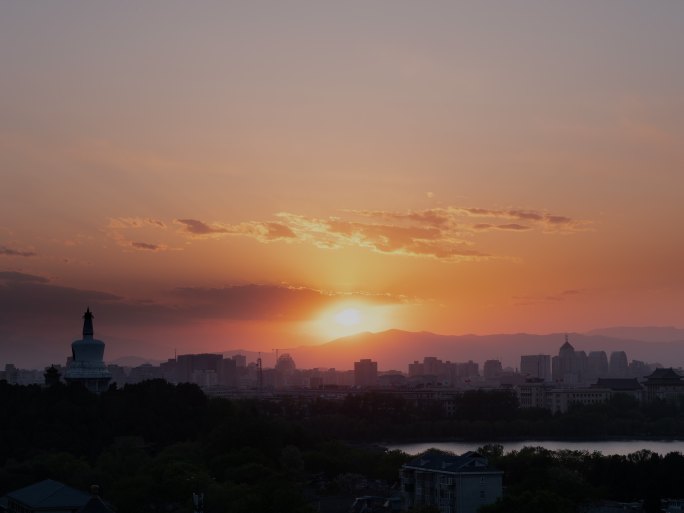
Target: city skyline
[252,177]
[397,349]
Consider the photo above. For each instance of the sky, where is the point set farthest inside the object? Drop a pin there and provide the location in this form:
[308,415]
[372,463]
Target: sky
[216,175]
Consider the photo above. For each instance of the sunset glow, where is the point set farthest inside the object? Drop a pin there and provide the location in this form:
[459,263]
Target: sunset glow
[348,317]
[236,176]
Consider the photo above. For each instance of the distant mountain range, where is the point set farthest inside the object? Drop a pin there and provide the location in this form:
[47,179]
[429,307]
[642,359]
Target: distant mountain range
[395,349]
[645,333]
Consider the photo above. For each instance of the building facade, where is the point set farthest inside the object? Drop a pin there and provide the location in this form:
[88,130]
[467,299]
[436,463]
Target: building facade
[536,366]
[451,483]
[365,373]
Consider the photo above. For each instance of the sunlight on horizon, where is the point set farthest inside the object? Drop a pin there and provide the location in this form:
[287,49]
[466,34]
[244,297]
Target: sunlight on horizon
[350,318]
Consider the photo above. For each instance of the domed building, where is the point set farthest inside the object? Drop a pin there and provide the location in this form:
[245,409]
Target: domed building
[87,360]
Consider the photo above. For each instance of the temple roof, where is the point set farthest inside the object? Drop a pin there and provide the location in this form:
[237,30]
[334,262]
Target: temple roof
[664,375]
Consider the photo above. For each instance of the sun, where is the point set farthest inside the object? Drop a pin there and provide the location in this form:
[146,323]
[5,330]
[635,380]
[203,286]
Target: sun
[348,317]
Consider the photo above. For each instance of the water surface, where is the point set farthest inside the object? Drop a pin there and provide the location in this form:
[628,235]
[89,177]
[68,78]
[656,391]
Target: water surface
[610,447]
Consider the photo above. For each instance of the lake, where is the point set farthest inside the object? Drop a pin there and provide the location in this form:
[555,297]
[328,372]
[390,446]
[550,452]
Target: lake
[608,447]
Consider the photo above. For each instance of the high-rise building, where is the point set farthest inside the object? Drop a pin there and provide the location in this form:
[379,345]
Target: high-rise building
[190,367]
[415,369]
[598,365]
[492,369]
[433,366]
[467,370]
[365,373]
[227,372]
[536,366]
[581,369]
[618,367]
[286,371]
[240,360]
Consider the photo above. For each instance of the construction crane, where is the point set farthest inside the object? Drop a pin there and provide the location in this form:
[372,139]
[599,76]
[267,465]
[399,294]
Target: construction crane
[260,373]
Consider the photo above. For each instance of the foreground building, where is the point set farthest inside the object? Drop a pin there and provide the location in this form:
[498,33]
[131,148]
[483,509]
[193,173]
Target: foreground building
[86,365]
[50,496]
[451,483]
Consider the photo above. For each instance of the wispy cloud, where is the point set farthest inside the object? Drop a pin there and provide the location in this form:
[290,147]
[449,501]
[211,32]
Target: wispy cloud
[17,277]
[445,233]
[135,222]
[549,222]
[266,302]
[119,226]
[145,246]
[6,251]
[551,298]
[195,227]
[22,295]
[505,227]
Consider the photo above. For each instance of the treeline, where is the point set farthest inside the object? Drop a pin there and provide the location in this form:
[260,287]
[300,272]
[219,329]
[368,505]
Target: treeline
[481,415]
[537,480]
[150,445]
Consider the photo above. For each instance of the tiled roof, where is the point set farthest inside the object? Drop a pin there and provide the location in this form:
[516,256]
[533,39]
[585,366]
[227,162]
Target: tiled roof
[49,494]
[441,461]
[664,375]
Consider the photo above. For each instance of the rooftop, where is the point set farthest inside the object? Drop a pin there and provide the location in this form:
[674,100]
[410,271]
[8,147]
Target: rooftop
[664,375]
[50,494]
[441,461]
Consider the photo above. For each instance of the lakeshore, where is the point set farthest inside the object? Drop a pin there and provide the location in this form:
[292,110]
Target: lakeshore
[605,447]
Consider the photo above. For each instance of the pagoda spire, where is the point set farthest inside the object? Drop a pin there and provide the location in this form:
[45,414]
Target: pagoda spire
[88,324]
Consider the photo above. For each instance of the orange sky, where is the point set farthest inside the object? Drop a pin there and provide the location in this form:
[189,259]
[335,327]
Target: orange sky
[209,176]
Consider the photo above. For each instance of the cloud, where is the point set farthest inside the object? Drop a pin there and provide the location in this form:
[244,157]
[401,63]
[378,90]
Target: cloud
[24,298]
[4,250]
[572,292]
[262,231]
[551,298]
[145,246]
[265,302]
[148,226]
[549,222]
[444,233]
[510,227]
[17,277]
[196,227]
[135,222]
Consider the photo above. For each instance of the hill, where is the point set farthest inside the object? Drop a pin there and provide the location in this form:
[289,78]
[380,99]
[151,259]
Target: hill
[645,333]
[394,349]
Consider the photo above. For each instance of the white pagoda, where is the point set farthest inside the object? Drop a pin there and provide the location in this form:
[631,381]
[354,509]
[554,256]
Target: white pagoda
[87,364]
